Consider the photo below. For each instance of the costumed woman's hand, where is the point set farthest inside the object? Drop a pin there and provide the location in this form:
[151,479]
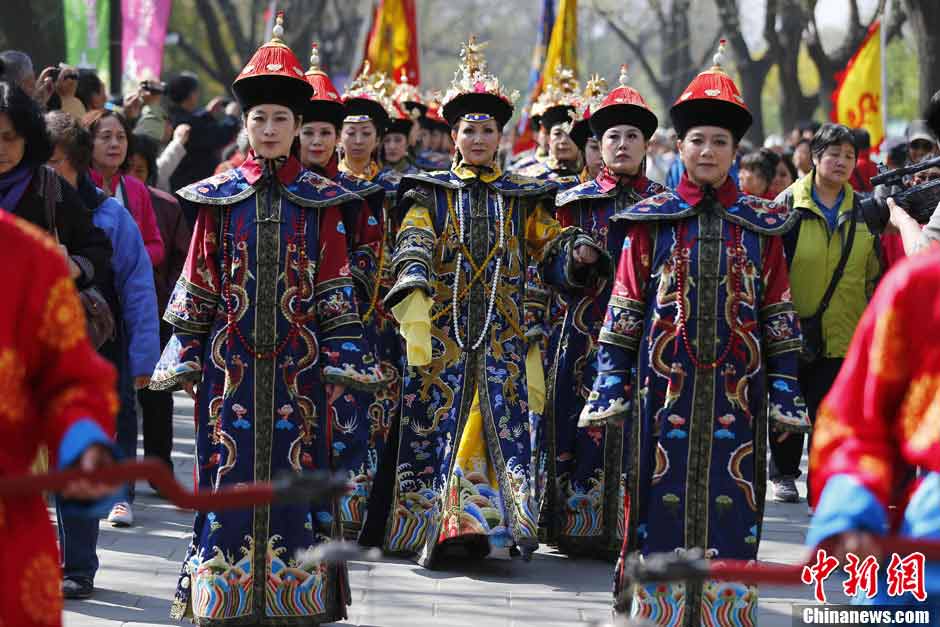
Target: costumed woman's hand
[585,255]
[861,543]
[190,388]
[141,382]
[334,391]
[94,458]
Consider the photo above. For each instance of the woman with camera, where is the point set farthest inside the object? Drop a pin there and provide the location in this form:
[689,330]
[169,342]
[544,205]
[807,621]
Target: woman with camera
[834,264]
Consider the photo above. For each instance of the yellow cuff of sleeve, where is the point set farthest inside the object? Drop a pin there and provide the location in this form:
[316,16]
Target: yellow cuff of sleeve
[413,314]
[535,376]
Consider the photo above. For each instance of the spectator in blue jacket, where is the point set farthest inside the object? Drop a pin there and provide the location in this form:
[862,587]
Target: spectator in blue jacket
[136,349]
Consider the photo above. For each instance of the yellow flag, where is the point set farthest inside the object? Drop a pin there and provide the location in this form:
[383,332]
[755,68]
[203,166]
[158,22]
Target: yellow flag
[563,44]
[857,100]
[392,46]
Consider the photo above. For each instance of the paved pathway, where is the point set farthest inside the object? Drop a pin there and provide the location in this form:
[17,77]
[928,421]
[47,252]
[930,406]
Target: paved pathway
[139,568]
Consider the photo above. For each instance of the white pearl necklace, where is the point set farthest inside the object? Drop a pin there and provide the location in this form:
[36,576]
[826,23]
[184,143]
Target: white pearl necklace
[501,218]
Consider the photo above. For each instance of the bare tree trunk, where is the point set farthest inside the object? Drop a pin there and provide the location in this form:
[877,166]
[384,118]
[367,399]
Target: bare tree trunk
[753,71]
[924,16]
[829,64]
[676,68]
[785,48]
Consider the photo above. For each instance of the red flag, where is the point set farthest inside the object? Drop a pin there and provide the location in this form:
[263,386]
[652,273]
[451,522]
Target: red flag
[857,98]
[392,44]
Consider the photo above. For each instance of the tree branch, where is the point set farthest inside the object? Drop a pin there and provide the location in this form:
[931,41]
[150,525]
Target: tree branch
[635,48]
[243,47]
[730,20]
[855,19]
[217,47]
[770,25]
[201,61]
[660,14]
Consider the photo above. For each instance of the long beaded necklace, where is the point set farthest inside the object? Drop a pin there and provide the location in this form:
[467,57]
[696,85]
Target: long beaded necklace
[231,324]
[501,219]
[737,256]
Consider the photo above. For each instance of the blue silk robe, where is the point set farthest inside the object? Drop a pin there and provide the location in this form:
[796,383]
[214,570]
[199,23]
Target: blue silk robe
[587,466]
[362,420]
[462,466]
[264,315]
[545,311]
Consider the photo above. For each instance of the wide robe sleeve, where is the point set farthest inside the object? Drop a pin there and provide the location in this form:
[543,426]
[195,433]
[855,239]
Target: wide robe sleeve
[192,307]
[780,330]
[414,251]
[553,247]
[346,357]
[619,338]
[411,262]
[541,230]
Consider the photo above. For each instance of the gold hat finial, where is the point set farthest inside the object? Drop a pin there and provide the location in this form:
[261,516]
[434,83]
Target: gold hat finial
[624,75]
[278,31]
[719,59]
[472,55]
[314,56]
[595,87]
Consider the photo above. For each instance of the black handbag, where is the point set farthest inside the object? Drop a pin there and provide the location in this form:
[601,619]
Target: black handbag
[814,346]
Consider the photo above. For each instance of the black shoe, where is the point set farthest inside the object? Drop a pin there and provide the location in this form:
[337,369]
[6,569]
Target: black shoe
[77,588]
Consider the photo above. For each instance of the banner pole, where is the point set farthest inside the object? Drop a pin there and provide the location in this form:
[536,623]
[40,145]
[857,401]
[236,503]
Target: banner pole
[884,74]
[115,62]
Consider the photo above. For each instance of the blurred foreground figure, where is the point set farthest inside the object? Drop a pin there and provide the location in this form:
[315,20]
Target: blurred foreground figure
[54,391]
[880,423]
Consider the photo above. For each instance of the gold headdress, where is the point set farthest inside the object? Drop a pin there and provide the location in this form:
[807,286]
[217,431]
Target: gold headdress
[561,100]
[473,93]
[366,99]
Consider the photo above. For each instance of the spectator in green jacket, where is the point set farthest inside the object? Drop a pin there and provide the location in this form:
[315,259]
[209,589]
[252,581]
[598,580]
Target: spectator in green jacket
[826,203]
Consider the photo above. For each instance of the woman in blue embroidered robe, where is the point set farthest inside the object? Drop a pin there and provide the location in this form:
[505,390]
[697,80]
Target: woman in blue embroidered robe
[698,350]
[545,307]
[460,471]
[584,510]
[266,324]
[588,468]
[362,421]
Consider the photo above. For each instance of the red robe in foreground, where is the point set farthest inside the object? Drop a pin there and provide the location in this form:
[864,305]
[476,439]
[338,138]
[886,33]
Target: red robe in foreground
[876,441]
[54,390]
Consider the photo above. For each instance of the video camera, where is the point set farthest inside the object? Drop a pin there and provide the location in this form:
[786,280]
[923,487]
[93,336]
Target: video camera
[919,201]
